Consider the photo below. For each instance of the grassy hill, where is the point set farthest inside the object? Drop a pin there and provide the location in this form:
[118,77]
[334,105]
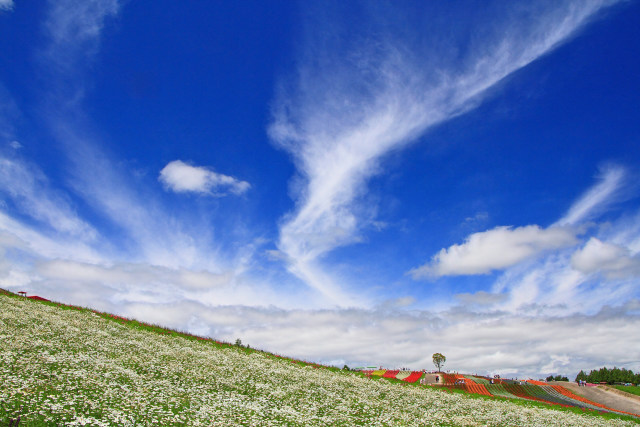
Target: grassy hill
[72,366]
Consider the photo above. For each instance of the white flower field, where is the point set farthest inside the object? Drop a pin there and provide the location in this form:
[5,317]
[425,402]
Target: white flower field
[61,366]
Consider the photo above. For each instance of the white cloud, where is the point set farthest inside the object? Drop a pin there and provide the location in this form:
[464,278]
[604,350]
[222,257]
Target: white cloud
[563,280]
[124,275]
[596,198]
[22,244]
[15,145]
[342,117]
[183,178]
[495,249]
[6,4]
[74,31]
[613,260]
[29,189]
[76,23]
[481,298]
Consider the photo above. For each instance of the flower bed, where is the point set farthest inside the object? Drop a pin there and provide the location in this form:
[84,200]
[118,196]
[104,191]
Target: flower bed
[498,390]
[413,377]
[521,392]
[478,389]
[390,374]
[478,380]
[403,375]
[449,379]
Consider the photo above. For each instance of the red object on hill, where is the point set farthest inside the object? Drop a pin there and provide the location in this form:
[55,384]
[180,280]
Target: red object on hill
[415,376]
[390,374]
[36,297]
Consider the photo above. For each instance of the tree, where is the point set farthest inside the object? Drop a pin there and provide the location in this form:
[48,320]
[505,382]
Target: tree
[610,376]
[239,342]
[438,360]
[581,376]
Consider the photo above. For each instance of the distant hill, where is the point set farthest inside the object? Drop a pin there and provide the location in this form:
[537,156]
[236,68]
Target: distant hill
[65,365]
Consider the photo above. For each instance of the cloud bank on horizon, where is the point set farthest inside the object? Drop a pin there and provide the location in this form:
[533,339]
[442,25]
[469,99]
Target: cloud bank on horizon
[356,245]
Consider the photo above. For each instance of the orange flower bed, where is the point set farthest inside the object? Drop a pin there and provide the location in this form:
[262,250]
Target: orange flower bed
[473,387]
[450,379]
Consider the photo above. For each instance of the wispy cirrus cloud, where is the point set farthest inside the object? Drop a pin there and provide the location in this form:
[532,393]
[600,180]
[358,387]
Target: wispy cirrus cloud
[147,233]
[146,250]
[6,5]
[343,116]
[28,187]
[597,198]
[182,177]
[74,30]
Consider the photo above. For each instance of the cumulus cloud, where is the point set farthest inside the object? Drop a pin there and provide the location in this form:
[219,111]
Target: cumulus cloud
[495,249]
[182,177]
[353,103]
[614,261]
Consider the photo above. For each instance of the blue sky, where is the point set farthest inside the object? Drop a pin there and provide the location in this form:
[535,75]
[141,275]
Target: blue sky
[366,184]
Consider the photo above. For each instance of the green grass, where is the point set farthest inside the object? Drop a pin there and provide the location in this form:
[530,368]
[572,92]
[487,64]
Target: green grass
[628,389]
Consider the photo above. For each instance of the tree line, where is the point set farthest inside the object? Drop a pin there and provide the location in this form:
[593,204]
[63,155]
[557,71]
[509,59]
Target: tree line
[557,378]
[609,376]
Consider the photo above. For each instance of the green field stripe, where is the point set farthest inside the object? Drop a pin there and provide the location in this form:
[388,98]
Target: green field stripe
[479,380]
[539,392]
[499,390]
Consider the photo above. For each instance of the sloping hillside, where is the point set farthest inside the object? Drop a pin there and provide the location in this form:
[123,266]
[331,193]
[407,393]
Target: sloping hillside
[73,366]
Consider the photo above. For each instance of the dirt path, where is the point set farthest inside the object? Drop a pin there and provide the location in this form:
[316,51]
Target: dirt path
[603,396]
